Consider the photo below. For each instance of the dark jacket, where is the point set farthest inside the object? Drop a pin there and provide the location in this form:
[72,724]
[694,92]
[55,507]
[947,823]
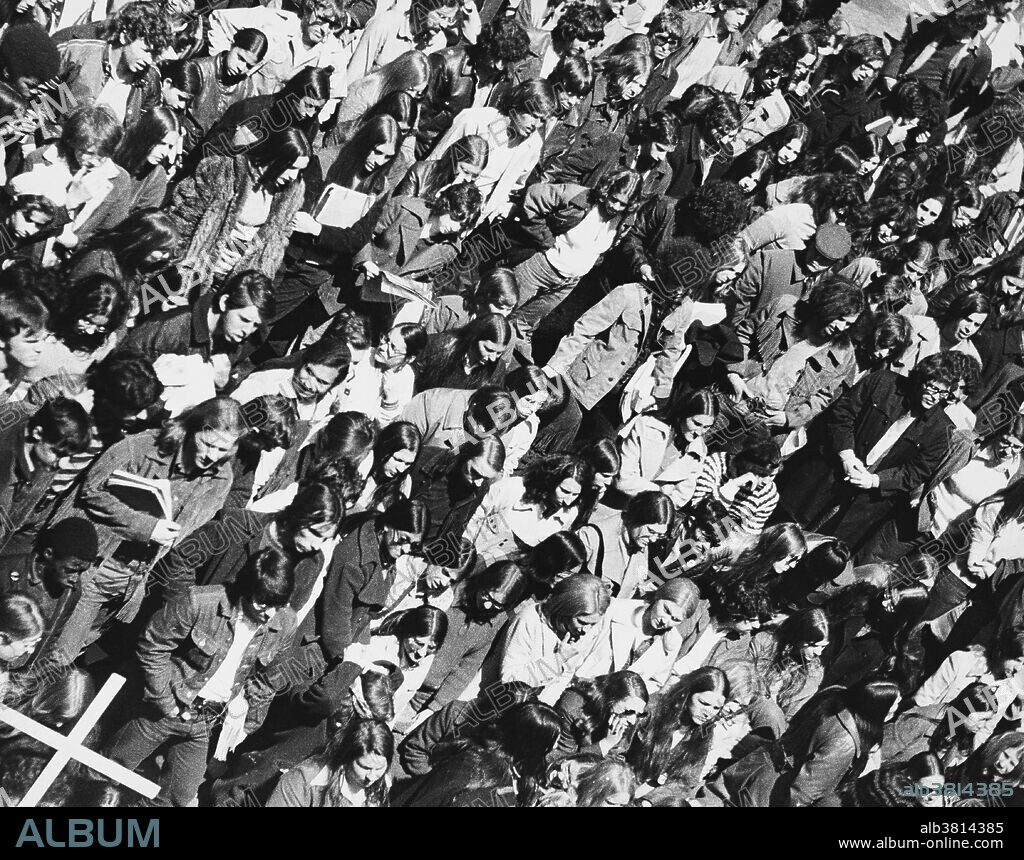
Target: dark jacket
[443,726]
[687,171]
[460,658]
[187,640]
[812,486]
[186,331]
[798,771]
[214,96]
[85,68]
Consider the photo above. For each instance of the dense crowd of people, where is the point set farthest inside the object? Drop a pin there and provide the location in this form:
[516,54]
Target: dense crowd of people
[513,403]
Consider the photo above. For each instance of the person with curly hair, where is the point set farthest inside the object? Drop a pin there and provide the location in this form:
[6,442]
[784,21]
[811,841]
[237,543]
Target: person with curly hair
[880,441]
[119,71]
[518,513]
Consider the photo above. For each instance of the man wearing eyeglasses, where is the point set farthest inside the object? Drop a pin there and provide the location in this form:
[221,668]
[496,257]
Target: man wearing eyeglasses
[883,439]
[323,34]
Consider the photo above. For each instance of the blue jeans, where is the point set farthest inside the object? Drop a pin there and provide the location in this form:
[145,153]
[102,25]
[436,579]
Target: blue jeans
[186,756]
[541,290]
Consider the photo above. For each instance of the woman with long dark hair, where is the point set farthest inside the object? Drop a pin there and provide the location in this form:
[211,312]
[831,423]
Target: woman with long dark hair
[462,162]
[482,605]
[234,213]
[521,512]
[296,105]
[667,451]
[351,772]
[676,740]
[408,639]
[602,713]
[390,478]
[131,253]
[149,152]
[87,324]
[604,460]
[465,358]
[502,760]
[951,329]
[364,163]
[826,744]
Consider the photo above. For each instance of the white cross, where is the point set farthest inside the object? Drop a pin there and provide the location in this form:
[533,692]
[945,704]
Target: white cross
[70,747]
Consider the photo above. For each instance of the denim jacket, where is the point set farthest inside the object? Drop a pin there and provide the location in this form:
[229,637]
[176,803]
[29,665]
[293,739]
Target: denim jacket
[186,641]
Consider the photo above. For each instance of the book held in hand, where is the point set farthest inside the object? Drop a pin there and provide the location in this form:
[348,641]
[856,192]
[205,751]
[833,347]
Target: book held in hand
[341,207]
[396,289]
[145,495]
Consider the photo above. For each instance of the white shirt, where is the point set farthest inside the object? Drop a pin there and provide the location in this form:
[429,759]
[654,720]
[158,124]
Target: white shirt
[318,584]
[980,478]
[287,53]
[576,251]
[114,95]
[360,392]
[508,164]
[222,682]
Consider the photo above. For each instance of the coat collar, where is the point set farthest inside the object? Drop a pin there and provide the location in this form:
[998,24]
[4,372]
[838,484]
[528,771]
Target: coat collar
[410,229]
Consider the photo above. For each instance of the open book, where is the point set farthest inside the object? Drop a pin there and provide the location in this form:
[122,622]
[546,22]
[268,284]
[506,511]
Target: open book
[341,207]
[394,288]
[145,495]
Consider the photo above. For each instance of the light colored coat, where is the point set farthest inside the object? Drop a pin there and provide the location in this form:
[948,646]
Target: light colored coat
[607,339]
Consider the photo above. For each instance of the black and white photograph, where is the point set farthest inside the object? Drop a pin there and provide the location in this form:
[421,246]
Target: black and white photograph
[511,403]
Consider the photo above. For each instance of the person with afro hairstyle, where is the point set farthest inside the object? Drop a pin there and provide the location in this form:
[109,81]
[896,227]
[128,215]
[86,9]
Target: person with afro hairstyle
[28,58]
[709,213]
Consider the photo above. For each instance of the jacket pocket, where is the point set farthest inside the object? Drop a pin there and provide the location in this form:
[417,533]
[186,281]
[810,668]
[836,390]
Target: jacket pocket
[202,650]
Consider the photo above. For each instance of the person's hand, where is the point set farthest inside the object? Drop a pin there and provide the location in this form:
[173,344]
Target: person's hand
[231,256]
[303,222]
[618,728]
[739,387]
[68,238]
[769,31]
[24,5]
[437,578]
[165,532]
[863,479]
[642,402]
[851,463]
[801,88]
[221,370]
[775,417]
[371,269]
[647,272]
